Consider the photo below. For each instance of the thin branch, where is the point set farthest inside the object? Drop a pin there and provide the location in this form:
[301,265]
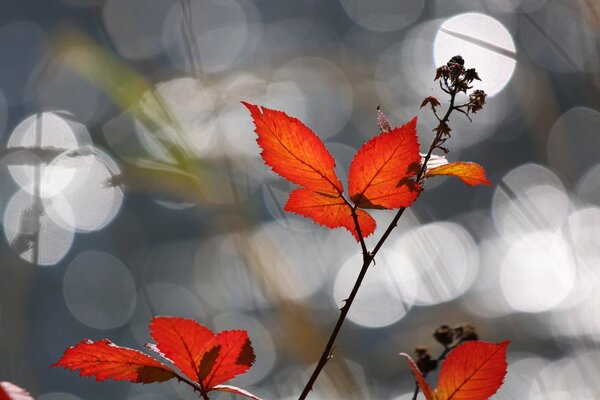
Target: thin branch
[367,259]
[361,238]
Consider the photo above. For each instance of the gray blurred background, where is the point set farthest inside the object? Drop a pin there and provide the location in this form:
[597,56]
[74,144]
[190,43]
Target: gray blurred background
[131,186]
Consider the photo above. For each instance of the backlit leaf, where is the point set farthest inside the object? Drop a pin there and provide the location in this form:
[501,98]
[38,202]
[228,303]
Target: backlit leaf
[105,360]
[183,342]
[294,151]
[330,211]
[470,173]
[472,371]
[235,357]
[382,171]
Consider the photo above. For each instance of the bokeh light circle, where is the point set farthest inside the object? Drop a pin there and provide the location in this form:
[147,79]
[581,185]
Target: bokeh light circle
[537,273]
[99,290]
[32,234]
[37,139]
[87,203]
[484,42]
[445,259]
[383,15]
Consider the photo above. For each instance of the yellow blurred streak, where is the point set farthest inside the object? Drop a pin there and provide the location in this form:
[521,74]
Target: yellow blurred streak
[136,95]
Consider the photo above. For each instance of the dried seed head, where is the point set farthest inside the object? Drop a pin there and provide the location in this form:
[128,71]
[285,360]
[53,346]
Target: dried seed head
[444,335]
[424,360]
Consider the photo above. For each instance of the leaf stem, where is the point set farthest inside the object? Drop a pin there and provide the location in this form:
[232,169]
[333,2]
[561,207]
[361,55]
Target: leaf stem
[369,256]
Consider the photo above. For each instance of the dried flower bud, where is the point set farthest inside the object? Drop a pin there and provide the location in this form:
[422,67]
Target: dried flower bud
[471,75]
[466,332]
[430,100]
[476,101]
[456,68]
[441,72]
[469,333]
[424,360]
[444,335]
[456,60]
[443,129]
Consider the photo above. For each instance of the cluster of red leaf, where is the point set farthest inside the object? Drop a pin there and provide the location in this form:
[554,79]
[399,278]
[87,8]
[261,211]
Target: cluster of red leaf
[205,359]
[382,174]
[472,371]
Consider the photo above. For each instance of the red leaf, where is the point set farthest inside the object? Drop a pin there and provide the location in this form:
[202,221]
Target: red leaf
[235,357]
[423,385]
[184,342]
[105,360]
[381,171]
[10,391]
[236,390]
[294,151]
[473,371]
[199,353]
[330,211]
[470,173]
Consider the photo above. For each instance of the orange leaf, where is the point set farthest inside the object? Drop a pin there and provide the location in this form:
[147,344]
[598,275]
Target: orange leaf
[184,342]
[381,171]
[473,371]
[470,173]
[423,385]
[330,211]
[235,357]
[105,360]
[294,151]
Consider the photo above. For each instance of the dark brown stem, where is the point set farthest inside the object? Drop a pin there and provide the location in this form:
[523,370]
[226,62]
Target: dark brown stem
[361,238]
[416,392]
[367,259]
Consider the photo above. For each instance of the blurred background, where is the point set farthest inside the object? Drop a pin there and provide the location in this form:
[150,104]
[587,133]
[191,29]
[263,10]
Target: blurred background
[131,186]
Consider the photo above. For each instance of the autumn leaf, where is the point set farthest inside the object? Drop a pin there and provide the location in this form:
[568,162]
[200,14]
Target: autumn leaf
[473,371]
[294,151]
[382,170]
[199,353]
[330,211]
[206,358]
[470,173]
[423,385]
[183,342]
[235,357]
[105,360]
[10,391]
[298,155]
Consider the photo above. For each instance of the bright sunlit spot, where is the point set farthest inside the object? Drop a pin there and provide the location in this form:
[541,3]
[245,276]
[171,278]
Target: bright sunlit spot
[444,257]
[482,40]
[537,273]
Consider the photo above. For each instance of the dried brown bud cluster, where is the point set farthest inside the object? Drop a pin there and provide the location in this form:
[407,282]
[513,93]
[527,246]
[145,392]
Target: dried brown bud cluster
[451,336]
[476,101]
[424,361]
[454,78]
[455,75]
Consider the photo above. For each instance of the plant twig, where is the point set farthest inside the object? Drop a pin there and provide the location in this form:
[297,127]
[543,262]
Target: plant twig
[442,131]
